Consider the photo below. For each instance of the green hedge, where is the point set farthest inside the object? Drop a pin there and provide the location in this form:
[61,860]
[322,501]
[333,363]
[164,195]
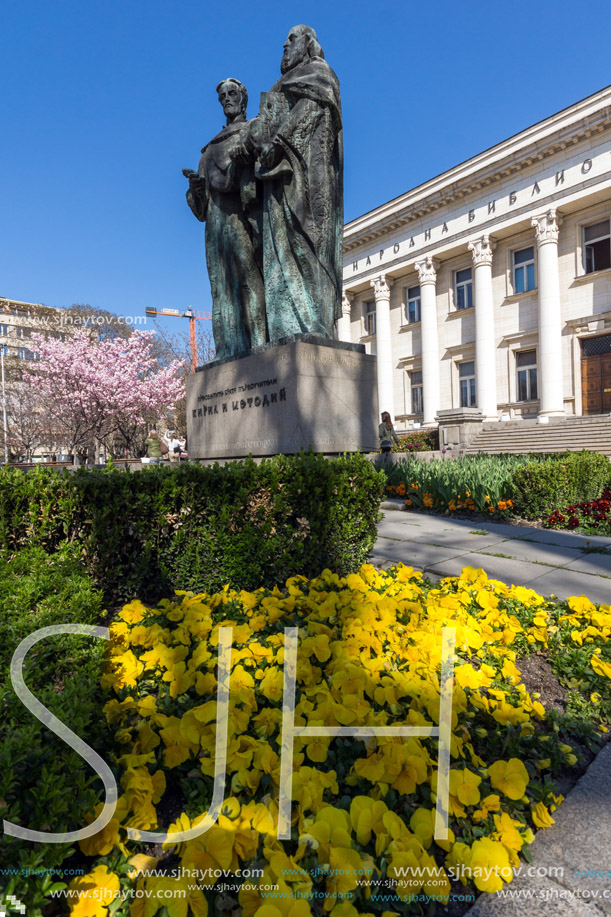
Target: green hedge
[199,527]
[422,441]
[44,785]
[573,477]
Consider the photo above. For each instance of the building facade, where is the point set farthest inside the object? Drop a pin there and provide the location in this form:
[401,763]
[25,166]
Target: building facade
[20,320]
[20,423]
[489,286]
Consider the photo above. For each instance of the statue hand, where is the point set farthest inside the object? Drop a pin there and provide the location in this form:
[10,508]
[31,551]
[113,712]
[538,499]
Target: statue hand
[197,183]
[268,155]
[240,153]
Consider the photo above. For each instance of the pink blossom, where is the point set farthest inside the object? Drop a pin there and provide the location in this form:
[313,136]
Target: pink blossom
[92,386]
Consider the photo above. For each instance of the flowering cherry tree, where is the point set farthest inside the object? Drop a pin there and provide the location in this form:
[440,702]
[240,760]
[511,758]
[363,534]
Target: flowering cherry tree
[98,389]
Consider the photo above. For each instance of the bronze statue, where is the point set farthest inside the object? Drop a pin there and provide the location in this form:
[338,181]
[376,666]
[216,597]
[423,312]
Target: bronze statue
[271,193]
[223,194]
[298,143]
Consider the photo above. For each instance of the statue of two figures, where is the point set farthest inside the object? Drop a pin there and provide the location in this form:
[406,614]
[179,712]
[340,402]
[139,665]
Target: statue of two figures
[270,192]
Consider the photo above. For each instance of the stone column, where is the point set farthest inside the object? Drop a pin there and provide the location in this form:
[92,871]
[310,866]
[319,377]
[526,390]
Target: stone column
[386,399]
[431,389]
[485,343]
[550,381]
[343,323]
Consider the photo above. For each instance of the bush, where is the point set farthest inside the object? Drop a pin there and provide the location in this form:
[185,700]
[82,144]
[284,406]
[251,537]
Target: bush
[423,441]
[574,477]
[44,785]
[199,527]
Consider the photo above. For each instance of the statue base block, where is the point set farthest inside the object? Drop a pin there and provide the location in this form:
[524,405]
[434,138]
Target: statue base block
[299,395]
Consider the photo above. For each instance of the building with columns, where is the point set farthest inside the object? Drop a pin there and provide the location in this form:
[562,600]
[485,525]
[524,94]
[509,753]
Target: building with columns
[488,288]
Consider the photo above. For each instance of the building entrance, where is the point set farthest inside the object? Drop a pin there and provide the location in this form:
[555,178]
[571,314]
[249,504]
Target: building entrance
[596,375]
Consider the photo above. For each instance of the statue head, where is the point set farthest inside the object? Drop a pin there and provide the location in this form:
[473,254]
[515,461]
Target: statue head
[301,44]
[234,99]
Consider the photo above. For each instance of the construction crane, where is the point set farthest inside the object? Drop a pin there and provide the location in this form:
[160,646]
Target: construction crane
[193,317]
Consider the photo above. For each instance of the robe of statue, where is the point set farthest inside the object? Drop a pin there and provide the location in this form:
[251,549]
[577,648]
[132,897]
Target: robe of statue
[229,205]
[303,201]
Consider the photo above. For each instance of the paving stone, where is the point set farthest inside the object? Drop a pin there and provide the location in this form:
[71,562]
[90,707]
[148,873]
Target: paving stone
[507,569]
[554,536]
[594,563]
[579,840]
[415,554]
[462,538]
[565,582]
[550,554]
[537,898]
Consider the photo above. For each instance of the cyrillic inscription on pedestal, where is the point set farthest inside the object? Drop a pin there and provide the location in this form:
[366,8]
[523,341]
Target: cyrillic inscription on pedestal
[294,397]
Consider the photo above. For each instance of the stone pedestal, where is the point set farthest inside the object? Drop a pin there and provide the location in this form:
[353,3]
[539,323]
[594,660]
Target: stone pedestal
[307,393]
[458,427]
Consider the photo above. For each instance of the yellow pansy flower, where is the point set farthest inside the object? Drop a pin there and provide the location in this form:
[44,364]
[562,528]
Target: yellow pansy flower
[510,777]
[93,893]
[464,785]
[489,865]
[541,816]
[109,837]
[600,666]
[272,683]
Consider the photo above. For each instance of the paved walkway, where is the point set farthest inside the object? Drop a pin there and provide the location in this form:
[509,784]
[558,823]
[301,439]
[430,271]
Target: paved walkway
[552,562]
[571,869]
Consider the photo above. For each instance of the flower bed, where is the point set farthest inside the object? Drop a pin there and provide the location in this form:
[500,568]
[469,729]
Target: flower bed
[590,518]
[473,483]
[529,487]
[422,441]
[362,819]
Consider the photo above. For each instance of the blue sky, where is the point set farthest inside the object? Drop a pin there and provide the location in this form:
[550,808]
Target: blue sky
[103,103]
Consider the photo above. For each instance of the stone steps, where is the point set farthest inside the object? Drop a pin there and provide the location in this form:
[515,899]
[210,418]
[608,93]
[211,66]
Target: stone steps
[522,437]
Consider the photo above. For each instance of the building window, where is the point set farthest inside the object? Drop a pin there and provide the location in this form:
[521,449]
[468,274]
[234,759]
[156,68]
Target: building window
[596,247]
[23,332]
[4,349]
[415,382]
[463,288]
[24,354]
[412,305]
[524,270]
[370,318]
[4,330]
[526,364]
[466,378]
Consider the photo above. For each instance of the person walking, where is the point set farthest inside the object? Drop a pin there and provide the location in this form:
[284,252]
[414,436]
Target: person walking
[387,434]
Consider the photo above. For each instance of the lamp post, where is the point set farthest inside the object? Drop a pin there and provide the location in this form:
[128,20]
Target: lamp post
[4,408]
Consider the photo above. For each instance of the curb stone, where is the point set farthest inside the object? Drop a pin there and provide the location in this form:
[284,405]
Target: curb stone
[579,843]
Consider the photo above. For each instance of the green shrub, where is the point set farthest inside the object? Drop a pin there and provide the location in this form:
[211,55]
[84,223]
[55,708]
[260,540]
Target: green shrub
[199,527]
[423,441]
[573,477]
[44,785]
